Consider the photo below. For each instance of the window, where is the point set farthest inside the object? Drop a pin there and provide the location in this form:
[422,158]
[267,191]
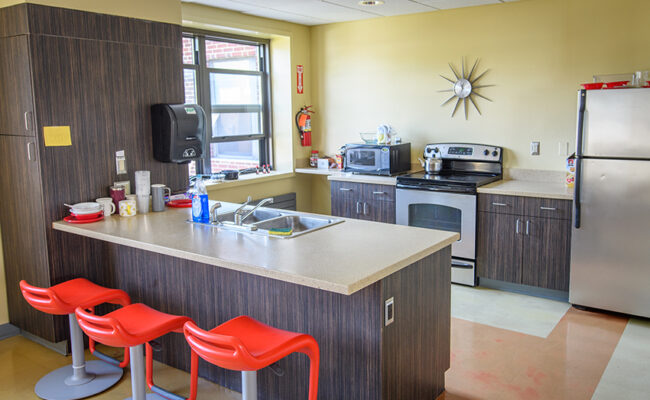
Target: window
[229,77]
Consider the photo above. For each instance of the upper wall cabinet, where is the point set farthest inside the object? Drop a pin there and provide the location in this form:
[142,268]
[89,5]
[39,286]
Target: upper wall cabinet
[17,111]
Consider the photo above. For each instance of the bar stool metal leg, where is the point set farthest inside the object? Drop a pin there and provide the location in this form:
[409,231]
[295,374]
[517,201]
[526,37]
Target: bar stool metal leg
[249,385]
[81,379]
[138,377]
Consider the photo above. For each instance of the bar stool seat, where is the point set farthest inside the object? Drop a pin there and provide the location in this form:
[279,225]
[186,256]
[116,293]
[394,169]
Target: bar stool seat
[81,379]
[134,326]
[247,345]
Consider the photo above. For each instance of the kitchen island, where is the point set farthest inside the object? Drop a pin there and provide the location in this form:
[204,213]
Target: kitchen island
[331,283]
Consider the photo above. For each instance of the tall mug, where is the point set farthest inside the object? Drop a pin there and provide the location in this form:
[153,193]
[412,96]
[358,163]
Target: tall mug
[158,196]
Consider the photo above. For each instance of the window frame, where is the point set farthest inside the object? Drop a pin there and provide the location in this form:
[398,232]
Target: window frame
[202,87]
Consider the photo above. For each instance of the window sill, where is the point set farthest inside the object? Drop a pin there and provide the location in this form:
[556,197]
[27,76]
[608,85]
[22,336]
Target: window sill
[249,179]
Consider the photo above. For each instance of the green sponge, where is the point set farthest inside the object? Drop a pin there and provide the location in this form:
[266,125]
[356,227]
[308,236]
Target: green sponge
[281,231]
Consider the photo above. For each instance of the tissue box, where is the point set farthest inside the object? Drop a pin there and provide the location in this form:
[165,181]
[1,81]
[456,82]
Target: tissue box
[323,163]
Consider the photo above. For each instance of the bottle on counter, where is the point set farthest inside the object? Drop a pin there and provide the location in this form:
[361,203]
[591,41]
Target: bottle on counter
[200,205]
[313,159]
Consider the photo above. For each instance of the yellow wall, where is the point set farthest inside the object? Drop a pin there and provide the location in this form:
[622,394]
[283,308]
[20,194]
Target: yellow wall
[154,10]
[290,46]
[386,70]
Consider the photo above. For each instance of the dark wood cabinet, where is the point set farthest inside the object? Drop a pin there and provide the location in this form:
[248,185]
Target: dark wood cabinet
[524,240]
[365,201]
[17,110]
[546,253]
[499,247]
[99,75]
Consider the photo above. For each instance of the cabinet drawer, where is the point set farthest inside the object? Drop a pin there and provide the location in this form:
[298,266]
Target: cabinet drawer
[500,204]
[547,208]
[373,193]
[346,189]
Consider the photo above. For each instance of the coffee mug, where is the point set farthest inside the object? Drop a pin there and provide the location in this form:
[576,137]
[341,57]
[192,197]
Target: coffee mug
[158,196]
[107,204]
[127,208]
[117,193]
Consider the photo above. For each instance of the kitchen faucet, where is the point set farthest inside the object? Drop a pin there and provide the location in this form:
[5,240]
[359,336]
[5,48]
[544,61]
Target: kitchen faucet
[214,217]
[239,218]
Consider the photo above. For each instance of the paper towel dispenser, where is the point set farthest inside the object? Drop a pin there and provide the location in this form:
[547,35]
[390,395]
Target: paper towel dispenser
[178,132]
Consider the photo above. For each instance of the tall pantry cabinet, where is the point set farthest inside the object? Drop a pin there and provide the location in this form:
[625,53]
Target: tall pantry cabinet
[97,74]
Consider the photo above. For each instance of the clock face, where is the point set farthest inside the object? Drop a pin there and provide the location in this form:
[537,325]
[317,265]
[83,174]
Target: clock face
[464,88]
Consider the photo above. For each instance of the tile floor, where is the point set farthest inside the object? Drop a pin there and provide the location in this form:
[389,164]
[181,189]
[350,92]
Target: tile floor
[504,346]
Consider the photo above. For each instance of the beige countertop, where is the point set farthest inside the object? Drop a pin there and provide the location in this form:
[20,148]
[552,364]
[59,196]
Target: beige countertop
[338,175]
[341,258]
[549,190]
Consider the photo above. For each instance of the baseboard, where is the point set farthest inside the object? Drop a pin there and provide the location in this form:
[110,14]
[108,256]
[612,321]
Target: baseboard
[524,289]
[8,330]
[60,347]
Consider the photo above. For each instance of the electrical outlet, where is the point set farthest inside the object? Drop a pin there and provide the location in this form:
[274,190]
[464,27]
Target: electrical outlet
[534,148]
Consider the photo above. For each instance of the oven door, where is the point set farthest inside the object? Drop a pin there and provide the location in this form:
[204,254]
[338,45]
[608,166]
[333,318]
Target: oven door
[443,211]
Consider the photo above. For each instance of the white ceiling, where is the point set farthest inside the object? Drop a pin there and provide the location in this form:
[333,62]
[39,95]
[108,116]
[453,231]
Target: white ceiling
[316,12]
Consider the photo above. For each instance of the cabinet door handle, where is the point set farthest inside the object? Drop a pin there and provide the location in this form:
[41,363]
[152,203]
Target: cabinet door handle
[500,204]
[358,207]
[365,208]
[345,190]
[517,227]
[30,154]
[527,226]
[27,124]
[548,208]
[378,192]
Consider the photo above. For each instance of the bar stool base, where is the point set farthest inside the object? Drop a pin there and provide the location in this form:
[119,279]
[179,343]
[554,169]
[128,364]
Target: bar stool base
[53,387]
[150,396]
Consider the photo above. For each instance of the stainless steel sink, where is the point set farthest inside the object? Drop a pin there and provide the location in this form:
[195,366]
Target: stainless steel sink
[265,221]
[257,216]
[299,224]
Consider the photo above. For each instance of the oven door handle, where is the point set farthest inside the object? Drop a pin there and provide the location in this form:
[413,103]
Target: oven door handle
[459,264]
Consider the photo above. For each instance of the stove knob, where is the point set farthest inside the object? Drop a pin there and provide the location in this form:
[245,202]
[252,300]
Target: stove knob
[435,149]
[495,153]
[486,152]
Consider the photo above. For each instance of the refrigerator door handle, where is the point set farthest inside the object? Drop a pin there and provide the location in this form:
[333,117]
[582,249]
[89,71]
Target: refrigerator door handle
[579,140]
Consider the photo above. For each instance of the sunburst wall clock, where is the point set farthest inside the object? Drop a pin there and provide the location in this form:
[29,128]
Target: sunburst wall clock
[465,88]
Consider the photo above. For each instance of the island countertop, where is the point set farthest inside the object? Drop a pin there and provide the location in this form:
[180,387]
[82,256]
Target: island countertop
[342,258]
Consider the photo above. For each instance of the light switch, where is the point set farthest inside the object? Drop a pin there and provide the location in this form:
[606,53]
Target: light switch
[389,311]
[534,148]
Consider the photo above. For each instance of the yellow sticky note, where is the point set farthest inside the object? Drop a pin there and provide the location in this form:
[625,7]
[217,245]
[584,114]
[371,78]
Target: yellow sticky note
[57,136]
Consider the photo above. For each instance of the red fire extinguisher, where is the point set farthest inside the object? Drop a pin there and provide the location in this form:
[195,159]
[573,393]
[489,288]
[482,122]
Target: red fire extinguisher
[303,122]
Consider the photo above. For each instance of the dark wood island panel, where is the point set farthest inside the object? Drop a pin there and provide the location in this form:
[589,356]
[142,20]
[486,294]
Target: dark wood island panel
[360,357]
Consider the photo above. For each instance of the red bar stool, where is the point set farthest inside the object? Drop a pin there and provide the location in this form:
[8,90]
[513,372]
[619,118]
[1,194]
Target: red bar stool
[244,344]
[81,379]
[134,326]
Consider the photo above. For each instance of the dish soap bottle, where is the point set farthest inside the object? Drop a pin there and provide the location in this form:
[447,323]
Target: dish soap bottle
[200,206]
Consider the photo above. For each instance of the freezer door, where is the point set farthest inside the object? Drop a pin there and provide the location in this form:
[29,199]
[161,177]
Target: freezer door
[617,124]
[610,252]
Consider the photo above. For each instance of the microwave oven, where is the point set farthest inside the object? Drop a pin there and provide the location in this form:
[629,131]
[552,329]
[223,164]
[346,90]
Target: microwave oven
[377,159]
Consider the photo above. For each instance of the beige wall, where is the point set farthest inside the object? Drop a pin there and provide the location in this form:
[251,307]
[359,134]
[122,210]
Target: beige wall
[153,10]
[386,70]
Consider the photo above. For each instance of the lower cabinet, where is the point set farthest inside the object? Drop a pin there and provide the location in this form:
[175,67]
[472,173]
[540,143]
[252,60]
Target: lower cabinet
[365,201]
[515,244]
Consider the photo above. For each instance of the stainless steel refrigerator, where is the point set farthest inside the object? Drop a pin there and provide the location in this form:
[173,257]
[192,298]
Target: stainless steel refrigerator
[610,249]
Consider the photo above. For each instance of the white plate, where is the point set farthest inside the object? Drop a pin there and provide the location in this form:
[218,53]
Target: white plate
[85,208]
